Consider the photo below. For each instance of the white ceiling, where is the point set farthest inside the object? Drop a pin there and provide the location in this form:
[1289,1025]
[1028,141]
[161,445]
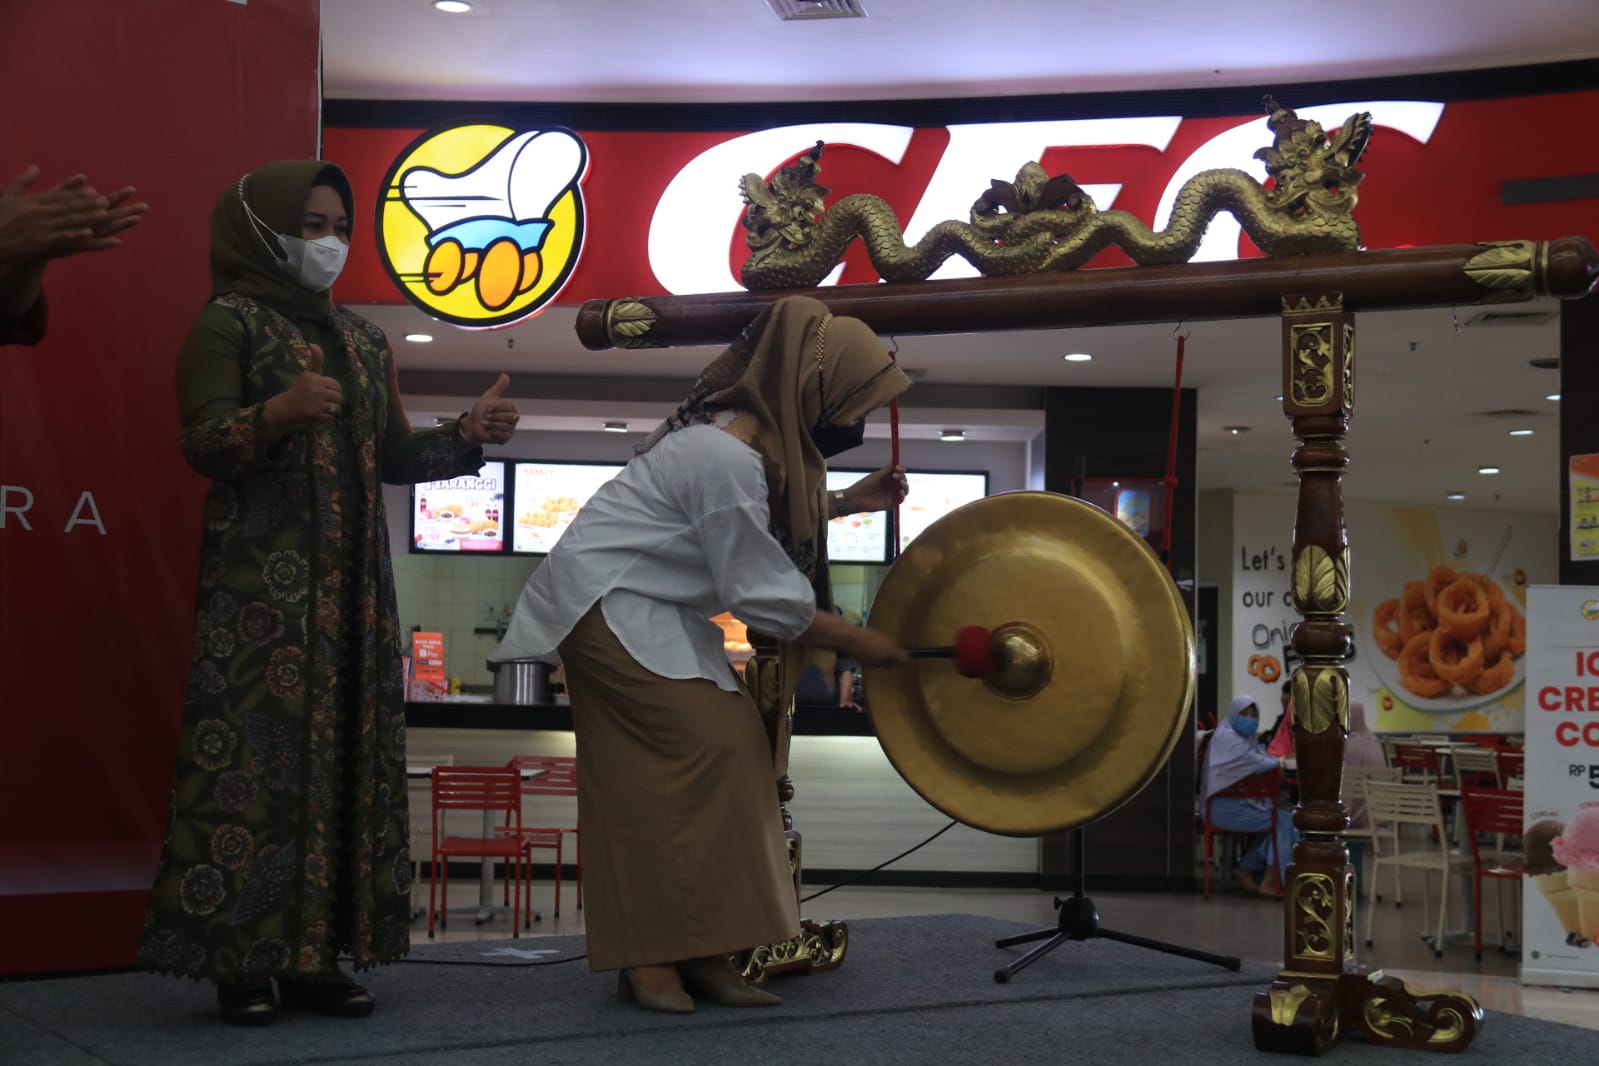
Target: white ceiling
[710,51]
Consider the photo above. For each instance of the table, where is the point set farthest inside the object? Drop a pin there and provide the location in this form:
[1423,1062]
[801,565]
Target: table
[486,907]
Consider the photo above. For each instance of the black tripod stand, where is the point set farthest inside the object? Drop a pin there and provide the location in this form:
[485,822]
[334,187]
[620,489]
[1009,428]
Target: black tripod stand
[1079,920]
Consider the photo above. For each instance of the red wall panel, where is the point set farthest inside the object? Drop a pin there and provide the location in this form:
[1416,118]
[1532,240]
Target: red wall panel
[178,99]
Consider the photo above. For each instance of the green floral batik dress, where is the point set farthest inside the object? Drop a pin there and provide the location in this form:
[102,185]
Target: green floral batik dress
[287,844]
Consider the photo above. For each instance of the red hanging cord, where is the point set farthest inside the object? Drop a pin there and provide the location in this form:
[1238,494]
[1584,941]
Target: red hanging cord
[1170,480]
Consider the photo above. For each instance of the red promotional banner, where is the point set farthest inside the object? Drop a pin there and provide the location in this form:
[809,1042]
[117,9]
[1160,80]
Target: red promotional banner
[659,211]
[99,515]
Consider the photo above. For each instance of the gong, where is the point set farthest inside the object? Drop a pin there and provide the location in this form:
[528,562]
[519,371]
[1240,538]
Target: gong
[1094,664]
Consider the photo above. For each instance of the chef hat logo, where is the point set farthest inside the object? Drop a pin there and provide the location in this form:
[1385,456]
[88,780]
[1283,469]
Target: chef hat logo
[482,225]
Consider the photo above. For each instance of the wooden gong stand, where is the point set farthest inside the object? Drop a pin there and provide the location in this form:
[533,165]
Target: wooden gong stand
[1320,990]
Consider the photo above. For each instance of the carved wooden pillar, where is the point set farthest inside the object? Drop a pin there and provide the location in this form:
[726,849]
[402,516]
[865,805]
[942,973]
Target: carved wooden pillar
[818,946]
[1320,989]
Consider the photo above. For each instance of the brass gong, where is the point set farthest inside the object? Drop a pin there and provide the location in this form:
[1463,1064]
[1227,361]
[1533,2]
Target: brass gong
[1095,665]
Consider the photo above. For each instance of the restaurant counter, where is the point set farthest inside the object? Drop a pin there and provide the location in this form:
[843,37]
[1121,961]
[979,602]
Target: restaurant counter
[467,712]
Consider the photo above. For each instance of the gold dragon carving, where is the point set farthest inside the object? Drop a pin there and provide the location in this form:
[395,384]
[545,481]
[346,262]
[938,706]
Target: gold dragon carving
[1039,223]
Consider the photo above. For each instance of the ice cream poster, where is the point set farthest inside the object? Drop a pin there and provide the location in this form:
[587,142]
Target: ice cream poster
[1561,843]
[463,514]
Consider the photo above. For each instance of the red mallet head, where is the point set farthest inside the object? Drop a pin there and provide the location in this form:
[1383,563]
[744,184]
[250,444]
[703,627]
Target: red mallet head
[974,652]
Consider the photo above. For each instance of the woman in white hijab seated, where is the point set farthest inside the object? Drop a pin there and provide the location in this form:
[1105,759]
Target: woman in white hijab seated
[1233,755]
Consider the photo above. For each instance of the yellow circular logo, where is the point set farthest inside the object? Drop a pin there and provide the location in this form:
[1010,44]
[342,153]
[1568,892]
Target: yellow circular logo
[1590,609]
[482,225]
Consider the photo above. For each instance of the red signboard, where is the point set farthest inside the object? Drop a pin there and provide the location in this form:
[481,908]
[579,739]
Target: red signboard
[661,210]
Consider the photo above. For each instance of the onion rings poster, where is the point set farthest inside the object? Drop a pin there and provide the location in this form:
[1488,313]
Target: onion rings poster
[1438,604]
[1560,907]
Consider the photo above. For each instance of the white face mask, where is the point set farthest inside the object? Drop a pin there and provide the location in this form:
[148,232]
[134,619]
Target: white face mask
[316,265]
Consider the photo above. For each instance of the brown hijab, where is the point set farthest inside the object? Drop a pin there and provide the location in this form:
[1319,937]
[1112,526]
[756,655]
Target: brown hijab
[241,260]
[794,367]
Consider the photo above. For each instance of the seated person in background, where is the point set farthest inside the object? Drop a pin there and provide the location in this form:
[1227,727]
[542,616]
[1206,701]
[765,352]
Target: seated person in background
[1233,755]
[815,691]
[1279,739]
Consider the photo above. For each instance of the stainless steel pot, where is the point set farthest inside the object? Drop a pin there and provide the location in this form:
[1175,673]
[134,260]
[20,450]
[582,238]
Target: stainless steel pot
[521,681]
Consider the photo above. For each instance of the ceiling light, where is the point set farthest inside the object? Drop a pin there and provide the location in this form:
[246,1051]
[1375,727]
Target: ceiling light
[1521,433]
[452,7]
[1454,495]
[1487,470]
[616,427]
[1236,430]
[1078,357]
[952,435]
[1555,396]
[419,338]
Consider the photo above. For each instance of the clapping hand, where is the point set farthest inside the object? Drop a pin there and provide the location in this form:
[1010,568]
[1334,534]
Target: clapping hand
[493,418]
[68,218]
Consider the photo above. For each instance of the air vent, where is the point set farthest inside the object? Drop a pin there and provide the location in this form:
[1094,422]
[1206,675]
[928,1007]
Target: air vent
[795,10]
[1514,414]
[1511,318]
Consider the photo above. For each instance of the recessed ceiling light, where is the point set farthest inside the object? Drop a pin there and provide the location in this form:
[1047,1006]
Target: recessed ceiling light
[1521,433]
[1078,357]
[952,435]
[452,7]
[1487,470]
[1236,430]
[1555,396]
[1454,495]
[616,427]
[419,338]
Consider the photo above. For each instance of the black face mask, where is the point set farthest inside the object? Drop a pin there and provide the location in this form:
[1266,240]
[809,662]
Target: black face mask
[832,439]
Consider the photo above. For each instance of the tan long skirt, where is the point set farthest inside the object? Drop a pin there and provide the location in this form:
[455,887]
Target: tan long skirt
[683,848]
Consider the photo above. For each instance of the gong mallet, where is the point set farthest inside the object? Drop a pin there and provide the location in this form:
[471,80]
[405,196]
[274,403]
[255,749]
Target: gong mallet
[1013,660]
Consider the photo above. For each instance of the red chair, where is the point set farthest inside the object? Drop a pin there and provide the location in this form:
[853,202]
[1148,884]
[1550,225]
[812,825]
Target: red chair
[559,778]
[1498,811]
[1419,762]
[1259,786]
[1512,764]
[486,789]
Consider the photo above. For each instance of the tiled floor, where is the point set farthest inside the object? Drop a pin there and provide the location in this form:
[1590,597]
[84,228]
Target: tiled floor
[1229,923]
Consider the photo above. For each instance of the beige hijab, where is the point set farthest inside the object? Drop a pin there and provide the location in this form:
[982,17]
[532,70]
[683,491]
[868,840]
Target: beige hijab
[794,367]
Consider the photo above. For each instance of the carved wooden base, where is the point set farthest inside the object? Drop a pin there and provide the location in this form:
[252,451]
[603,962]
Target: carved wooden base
[819,947]
[1305,1014]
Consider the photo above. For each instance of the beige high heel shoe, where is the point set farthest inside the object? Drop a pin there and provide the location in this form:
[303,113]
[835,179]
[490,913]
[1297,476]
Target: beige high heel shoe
[666,1002]
[719,982]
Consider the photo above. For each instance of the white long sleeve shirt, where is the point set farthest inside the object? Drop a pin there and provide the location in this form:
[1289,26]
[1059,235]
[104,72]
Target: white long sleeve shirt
[680,535]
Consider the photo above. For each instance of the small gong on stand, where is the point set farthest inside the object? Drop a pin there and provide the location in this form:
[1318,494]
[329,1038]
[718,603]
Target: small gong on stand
[1093,677]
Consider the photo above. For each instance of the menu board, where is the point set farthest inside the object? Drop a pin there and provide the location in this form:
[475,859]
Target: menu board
[856,538]
[932,496]
[462,514]
[548,496]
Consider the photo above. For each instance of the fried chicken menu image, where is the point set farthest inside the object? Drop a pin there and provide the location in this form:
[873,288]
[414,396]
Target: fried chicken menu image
[548,496]
[464,514]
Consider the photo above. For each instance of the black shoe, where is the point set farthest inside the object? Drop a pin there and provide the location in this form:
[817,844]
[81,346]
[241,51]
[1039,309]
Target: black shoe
[339,997]
[247,1002]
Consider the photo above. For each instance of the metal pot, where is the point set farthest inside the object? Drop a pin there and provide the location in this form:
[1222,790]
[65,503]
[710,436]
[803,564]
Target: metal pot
[521,681]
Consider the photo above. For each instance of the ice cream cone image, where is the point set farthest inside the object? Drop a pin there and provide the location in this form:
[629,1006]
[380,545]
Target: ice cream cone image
[1585,886]
[1556,888]
[1577,849]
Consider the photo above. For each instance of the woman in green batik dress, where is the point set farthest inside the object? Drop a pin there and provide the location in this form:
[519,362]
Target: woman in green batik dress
[287,844]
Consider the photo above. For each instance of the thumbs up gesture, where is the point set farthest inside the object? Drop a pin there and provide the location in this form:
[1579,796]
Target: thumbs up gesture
[493,418]
[313,397]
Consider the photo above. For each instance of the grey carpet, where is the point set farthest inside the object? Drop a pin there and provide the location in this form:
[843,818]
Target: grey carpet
[912,990]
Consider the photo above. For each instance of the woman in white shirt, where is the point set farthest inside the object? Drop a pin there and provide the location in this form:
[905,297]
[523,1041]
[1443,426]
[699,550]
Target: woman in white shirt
[724,508]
